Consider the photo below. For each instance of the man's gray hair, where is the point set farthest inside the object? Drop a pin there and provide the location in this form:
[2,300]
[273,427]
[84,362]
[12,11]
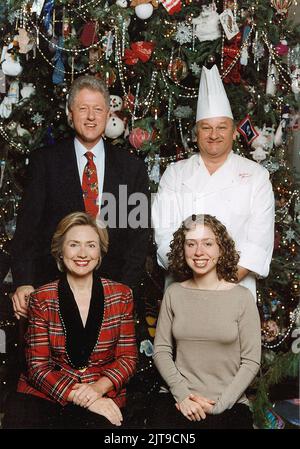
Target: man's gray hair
[87,82]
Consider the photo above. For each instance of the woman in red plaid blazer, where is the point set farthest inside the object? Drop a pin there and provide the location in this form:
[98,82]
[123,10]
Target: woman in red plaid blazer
[80,342]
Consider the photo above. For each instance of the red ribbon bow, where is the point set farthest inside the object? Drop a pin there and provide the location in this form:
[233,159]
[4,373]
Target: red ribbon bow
[139,51]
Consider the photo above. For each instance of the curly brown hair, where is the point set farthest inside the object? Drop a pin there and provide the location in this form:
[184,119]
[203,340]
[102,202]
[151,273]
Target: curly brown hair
[227,264]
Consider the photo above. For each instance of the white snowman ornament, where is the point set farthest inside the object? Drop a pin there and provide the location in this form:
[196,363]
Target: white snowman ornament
[115,125]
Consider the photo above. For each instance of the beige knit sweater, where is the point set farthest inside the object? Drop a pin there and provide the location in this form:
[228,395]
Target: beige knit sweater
[216,340]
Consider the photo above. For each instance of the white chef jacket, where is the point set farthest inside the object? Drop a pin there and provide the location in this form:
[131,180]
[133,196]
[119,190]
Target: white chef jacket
[239,194]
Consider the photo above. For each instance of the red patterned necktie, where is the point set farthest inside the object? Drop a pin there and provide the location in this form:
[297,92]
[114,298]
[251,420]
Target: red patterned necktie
[90,185]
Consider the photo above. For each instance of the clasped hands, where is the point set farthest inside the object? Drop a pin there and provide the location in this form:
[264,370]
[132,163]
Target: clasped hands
[87,396]
[195,407]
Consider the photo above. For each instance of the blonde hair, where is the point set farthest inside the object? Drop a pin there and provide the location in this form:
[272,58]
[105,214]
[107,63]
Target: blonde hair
[67,223]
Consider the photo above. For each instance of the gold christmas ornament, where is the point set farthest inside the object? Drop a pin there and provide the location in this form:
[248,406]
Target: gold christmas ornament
[178,69]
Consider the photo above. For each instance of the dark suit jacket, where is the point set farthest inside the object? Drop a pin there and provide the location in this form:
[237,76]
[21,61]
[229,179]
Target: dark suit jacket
[52,191]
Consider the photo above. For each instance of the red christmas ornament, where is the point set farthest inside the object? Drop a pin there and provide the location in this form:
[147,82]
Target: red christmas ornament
[89,34]
[231,50]
[128,102]
[138,136]
[138,51]
[282,48]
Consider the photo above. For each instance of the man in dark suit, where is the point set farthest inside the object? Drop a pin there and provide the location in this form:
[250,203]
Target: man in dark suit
[55,188]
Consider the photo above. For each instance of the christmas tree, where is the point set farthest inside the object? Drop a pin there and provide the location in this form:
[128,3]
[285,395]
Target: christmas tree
[150,55]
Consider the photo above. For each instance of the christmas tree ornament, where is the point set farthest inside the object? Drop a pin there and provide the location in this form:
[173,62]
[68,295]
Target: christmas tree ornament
[139,51]
[262,144]
[211,59]
[281,132]
[114,127]
[228,22]
[207,25]
[66,27]
[25,41]
[47,16]
[13,93]
[37,7]
[295,81]
[108,40]
[195,68]
[27,90]
[270,331]
[2,170]
[231,63]
[5,108]
[138,136]
[95,55]
[184,34]
[38,119]
[172,6]
[122,3]
[281,6]
[247,130]
[258,49]
[272,79]
[59,70]
[282,48]
[244,50]
[146,347]
[178,69]
[10,61]
[144,11]
[10,227]
[2,82]
[89,35]
[129,101]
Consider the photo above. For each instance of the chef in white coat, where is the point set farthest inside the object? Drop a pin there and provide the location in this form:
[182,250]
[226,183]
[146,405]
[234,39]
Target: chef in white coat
[218,182]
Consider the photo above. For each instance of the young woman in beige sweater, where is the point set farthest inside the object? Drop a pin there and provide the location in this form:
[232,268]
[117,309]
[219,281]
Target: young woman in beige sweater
[207,344]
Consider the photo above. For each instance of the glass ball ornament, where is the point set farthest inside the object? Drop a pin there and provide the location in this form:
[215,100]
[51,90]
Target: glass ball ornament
[144,11]
[178,69]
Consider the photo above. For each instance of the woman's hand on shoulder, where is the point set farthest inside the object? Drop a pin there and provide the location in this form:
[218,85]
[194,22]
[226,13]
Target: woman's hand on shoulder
[206,404]
[191,409]
[108,408]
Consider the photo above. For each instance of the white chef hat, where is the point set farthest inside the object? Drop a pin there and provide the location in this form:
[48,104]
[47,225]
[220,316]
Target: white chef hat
[212,98]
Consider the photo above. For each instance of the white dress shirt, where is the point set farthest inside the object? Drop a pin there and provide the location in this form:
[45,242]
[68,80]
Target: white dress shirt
[99,160]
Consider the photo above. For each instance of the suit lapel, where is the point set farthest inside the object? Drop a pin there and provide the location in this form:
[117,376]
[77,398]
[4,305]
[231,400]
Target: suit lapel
[111,173]
[69,171]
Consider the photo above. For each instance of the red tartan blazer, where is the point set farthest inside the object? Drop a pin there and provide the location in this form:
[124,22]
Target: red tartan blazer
[50,375]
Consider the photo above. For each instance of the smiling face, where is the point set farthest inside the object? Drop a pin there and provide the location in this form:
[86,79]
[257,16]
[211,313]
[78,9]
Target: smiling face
[81,251]
[201,250]
[89,114]
[215,137]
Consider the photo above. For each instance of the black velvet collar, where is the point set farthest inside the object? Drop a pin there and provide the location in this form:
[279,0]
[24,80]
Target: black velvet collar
[80,340]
